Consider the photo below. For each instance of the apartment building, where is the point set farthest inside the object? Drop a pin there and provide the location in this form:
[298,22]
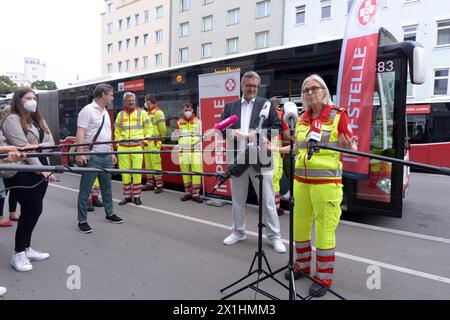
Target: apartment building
[135,35]
[203,29]
[424,21]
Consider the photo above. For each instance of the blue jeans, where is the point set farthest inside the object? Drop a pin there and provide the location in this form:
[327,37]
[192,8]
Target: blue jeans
[86,182]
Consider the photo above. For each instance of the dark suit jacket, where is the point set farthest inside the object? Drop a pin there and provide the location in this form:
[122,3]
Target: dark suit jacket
[234,108]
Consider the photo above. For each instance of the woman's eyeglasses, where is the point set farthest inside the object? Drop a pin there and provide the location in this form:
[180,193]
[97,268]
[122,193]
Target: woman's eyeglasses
[313,90]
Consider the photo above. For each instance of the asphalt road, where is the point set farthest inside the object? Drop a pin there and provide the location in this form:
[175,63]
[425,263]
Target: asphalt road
[169,250]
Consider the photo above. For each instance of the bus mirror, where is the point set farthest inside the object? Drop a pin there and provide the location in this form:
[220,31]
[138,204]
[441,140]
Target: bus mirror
[417,66]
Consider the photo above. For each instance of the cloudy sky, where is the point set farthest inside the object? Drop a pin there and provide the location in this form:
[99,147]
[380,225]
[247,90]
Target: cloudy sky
[63,34]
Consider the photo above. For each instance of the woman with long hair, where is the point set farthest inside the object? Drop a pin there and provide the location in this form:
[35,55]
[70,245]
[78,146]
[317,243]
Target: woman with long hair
[26,128]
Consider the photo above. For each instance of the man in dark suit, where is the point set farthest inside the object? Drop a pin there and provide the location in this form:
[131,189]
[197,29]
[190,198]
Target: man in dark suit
[248,109]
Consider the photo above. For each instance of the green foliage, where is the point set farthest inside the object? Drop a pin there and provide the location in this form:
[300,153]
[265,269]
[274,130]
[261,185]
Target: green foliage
[7,85]
[44,85]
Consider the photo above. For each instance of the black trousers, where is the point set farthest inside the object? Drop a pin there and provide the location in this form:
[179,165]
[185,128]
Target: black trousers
[31,203]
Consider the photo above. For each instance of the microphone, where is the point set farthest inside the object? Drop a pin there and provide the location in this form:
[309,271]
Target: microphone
[264,113]
[314,137]
[222,125]
[290,114]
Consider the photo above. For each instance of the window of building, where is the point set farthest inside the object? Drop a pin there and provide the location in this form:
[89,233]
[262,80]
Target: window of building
[109,7]
[262,40]
[443,33]
[300,14]
[109,48]
[233,16]
[127,65]
[410,1]
[119,66]
[207,50]
[409,33]
[158,12]
[441,83]
[349,6]
[158,59]
[128,22]
[184,5]
[110,28]
[205,2]
[183,55]
[232,45]
[146,39]
[136,19]
[159,36]
[128,43]
[136,63]
[146,17]
[325,9]
[120,24]
[184,29]
[263,9]
[207,23]
[109,67]
[145,62]
[119,46]
[136,41]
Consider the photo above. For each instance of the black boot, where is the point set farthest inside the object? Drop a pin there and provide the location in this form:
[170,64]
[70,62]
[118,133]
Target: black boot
[186,197]
[137,201]
[125,201]
[158,190]
[148,188]
[297,274]
[316,290]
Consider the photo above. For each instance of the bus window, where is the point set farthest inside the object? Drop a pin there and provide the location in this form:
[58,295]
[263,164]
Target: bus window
[417,128]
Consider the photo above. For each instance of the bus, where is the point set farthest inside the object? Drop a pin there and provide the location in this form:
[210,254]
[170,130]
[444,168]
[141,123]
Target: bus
[429,132]
[282,72]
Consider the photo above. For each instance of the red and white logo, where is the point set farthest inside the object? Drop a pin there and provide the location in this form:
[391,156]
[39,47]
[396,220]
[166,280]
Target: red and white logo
[230,85]
[367,11]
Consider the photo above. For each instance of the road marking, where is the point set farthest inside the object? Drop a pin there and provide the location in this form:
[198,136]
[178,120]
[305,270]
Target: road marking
[349,223]
[255,234]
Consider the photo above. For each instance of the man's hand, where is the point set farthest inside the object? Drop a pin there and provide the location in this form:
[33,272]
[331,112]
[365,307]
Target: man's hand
[81,160]
[14,156]
[114,159]
[27,147]
[348,143]
[49,176]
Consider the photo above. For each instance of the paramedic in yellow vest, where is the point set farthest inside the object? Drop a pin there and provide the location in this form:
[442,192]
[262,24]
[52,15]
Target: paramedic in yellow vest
[189,133]
[277,157]
[318,183]
[131,123]
[153,161]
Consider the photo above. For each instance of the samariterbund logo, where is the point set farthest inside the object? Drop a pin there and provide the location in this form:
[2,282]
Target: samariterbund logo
[367,11]
[230,85]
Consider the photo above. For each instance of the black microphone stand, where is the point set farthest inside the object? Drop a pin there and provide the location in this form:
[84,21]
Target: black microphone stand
[259,254]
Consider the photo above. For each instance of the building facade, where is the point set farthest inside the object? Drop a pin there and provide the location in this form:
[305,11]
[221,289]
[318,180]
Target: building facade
[424,21]
[34,70]
[19,79]
[135,35]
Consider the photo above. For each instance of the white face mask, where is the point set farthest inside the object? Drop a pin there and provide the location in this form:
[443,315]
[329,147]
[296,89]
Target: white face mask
[30,105]
[188,114]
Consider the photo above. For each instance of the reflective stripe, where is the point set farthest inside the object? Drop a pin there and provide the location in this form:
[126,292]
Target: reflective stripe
[118,125]
[304,244]
[325,265]
[147,121]
[325,253]
[139,118]
[330,144]
[303,265]
[135,127]
[325,136]
[318,173]
[304,255]
[324,276]
[333,114]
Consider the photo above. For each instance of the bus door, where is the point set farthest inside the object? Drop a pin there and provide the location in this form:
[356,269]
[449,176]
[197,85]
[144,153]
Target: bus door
[381,191]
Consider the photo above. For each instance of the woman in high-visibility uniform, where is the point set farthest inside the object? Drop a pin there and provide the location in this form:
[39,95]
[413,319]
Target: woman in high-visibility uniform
[189,129]
[318,183]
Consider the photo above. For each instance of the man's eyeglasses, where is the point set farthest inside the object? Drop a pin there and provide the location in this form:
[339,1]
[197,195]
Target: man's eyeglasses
[252,86]
[313,90]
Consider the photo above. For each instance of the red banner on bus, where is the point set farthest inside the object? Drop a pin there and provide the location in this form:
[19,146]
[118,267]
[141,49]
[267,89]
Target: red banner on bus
[356,80]
[418,109]
[136,85]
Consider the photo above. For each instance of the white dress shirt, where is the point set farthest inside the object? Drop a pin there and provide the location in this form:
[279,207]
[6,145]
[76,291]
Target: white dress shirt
[90,118]
[246,114]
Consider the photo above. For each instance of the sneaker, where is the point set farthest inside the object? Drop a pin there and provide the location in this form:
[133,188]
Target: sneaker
[197,199]
[125,201]
[186,197]
[137,201]
[277,245]
[97,202]
[148,188]
[5,223]
[234,238]
[114,219]
[316,290]
[280,211]
[20,262]
[2,291]
[84,227]
[34,255]
[13,216]
[158,190]
[90,206]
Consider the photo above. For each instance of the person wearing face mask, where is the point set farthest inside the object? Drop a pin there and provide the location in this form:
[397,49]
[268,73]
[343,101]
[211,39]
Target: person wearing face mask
[131,123]
[189,129]
[25,127]
[153,161]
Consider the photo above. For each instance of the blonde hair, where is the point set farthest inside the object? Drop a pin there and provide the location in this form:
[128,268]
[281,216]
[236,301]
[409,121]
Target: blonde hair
[326,98]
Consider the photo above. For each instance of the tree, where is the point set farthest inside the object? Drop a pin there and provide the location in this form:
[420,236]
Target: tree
[7,85]
[44,85]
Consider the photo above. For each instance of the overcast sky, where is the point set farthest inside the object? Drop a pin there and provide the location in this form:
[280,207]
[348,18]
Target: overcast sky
[63,34]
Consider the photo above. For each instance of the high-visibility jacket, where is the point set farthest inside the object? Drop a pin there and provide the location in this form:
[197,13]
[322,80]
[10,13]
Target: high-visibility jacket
[132,125]
[189,131]
[158,121]
[324,166]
